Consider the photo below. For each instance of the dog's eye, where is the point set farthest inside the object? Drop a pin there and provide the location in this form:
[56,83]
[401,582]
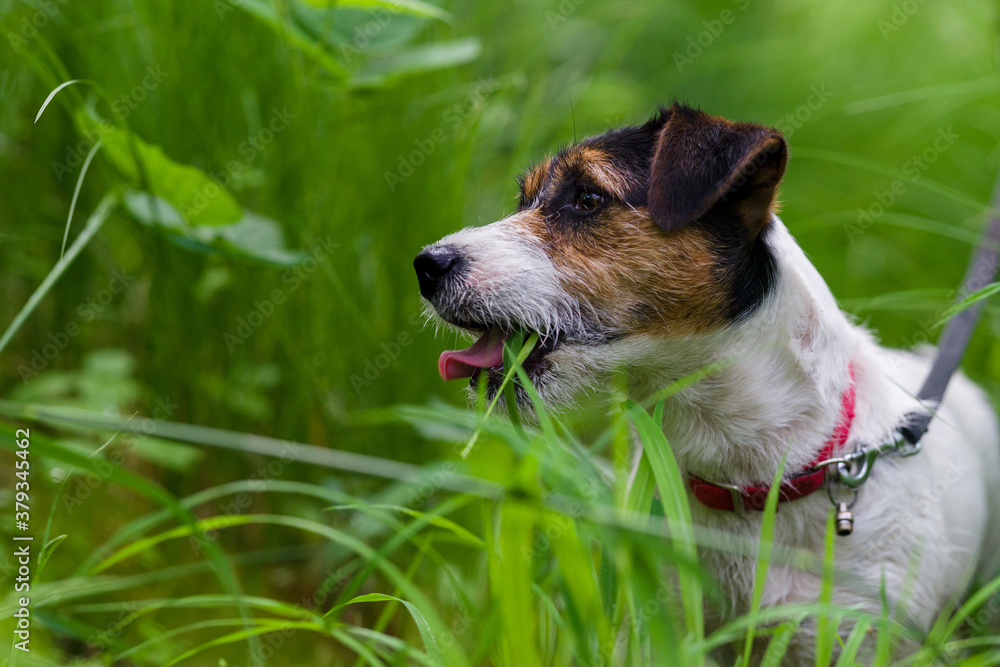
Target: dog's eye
[587,201]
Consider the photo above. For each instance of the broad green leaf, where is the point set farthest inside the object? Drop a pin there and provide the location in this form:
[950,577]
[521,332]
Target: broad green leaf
[253,237]
[198,198]
[415,7]
[419,59]
[258,237]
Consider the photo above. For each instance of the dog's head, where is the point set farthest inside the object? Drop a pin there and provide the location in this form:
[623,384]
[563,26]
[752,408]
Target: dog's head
[628,240]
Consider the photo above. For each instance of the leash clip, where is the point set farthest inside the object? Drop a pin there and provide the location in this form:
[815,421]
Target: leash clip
[857,466]
[853,469]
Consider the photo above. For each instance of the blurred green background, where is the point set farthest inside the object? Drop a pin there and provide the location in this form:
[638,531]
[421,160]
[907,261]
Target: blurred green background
[360,133]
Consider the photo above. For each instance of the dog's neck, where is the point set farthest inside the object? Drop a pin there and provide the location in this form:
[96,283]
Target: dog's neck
[777,384]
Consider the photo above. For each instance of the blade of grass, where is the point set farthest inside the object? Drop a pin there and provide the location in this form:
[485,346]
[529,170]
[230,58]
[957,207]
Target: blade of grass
[780,641]
[764,555]
[511,559]
[402,649]
[884,639]
[48,99]
[973,87]
[853,644]
[247,443]
[968,302]
[47,551]
[508,374]
[265,626]
[423,627]
[463,535]
[365,654]
[221,566]
[76,193]
[141,525]
[514,584]
[932,648]
[511,347]
[402,534]
[209,601]
[676,508]
[582,589]
[388,612]
[340,537]
[826,631]
[737,628]
[94,224]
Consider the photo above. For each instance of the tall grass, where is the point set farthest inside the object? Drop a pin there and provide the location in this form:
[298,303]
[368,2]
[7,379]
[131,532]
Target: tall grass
[522,555]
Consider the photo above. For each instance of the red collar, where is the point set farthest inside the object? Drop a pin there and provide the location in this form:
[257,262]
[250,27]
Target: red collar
[717,497]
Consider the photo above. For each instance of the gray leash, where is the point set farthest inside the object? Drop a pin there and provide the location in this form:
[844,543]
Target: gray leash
[951,348]
[853,469]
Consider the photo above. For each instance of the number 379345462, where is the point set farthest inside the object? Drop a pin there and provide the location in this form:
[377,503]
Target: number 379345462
[22,466]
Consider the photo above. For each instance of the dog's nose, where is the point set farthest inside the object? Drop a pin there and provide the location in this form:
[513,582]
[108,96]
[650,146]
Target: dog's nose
[432,265]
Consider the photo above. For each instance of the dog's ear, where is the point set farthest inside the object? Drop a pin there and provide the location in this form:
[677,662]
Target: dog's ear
[703,163]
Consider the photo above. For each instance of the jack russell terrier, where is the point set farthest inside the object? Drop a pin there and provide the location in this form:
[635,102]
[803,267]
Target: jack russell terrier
[654,251]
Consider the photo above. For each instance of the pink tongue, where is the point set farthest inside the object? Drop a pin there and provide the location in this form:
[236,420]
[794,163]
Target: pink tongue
[484,353]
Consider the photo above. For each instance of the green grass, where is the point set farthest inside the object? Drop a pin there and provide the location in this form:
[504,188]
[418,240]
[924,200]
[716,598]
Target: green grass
[373,519]
[537,562]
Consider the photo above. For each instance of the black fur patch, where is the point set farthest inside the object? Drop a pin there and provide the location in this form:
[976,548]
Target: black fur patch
[746,265]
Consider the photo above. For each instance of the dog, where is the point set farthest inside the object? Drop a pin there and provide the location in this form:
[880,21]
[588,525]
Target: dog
[654,251]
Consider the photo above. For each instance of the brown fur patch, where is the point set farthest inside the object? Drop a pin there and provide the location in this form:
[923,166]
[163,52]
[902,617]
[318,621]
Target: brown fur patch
[532,181]
[630,276]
